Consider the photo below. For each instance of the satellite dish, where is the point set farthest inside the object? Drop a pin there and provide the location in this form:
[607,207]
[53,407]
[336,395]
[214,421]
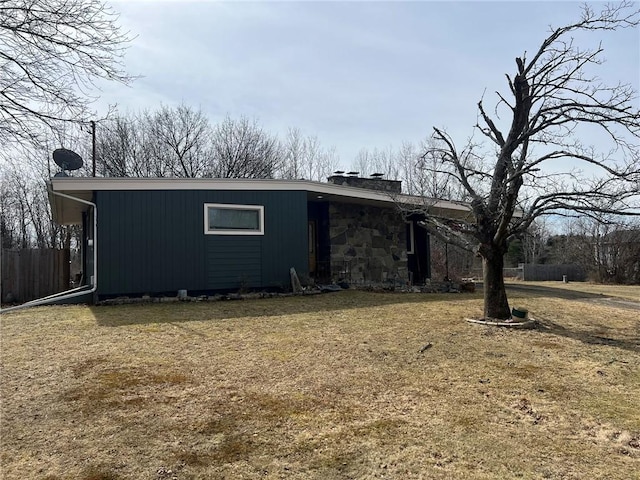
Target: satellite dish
[67,159]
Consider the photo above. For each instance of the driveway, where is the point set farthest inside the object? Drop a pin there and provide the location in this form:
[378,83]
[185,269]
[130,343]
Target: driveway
[575,295]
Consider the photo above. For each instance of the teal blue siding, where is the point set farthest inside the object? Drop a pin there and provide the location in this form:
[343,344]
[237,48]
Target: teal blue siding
[154,241]
[234,260]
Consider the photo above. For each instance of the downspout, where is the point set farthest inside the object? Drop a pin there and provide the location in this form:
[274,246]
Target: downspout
[78,291]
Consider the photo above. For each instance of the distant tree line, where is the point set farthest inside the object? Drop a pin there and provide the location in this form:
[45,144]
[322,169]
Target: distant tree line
[607,250]
[181,142]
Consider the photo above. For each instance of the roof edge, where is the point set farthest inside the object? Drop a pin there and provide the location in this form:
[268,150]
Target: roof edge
[83,184]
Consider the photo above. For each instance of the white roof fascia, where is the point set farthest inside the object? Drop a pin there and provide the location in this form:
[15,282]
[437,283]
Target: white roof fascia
[84,184]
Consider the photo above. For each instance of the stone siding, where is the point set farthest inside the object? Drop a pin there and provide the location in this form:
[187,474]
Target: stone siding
[384,185]
[368,244]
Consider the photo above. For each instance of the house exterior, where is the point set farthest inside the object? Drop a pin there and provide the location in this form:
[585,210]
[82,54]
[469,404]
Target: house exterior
[159,235]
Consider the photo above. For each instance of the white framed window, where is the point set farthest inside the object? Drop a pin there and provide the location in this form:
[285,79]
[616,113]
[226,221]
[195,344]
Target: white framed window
[410,238]
[229,219]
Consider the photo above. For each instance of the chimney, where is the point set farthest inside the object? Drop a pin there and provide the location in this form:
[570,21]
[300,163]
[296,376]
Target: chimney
[375,182]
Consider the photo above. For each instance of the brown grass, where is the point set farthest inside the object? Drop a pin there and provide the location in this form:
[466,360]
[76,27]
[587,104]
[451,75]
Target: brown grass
[322,387]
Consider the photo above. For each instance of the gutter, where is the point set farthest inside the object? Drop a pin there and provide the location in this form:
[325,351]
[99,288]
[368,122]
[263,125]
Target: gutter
[78,291]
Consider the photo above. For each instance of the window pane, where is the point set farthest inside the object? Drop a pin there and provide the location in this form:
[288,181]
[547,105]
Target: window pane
[233,219]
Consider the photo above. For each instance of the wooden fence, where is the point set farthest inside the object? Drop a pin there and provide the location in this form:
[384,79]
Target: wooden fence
[34,273]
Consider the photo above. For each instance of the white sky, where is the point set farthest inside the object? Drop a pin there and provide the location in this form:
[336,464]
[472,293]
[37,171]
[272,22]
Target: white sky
[356,74]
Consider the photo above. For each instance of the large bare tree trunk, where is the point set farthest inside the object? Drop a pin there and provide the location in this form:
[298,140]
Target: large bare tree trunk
[496,304]
[551,98]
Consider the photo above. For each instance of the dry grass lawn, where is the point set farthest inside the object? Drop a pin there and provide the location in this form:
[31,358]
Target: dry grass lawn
[336,386]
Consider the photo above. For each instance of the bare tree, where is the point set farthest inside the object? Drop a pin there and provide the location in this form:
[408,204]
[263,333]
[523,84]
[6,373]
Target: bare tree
[621,255]
[550,99]
[184,135]
[311,158]
[534,239]
[328,162]
[605,247]
[119,147]
[293,153]
[407,161]
[425,174]
[378,160]
[169,142]
[363,162]
[25,215]
[13,215]
[52,52]
[303,157]
[242,149]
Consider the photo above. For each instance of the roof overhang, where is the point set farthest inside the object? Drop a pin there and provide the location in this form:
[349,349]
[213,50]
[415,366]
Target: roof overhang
[67,211]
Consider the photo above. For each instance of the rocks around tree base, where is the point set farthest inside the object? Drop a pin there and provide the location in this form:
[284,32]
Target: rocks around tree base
[509,323]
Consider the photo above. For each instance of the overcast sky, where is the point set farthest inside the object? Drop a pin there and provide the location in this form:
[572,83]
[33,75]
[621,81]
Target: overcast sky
[356,74]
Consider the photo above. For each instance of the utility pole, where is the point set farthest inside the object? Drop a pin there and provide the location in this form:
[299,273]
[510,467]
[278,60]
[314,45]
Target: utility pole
[93,147]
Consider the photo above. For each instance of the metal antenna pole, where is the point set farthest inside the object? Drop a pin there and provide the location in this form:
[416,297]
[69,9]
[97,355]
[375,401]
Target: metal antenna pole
[93,147]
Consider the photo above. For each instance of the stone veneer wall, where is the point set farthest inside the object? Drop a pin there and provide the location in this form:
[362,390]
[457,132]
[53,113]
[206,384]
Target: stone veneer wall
[384,185]
[368,244]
